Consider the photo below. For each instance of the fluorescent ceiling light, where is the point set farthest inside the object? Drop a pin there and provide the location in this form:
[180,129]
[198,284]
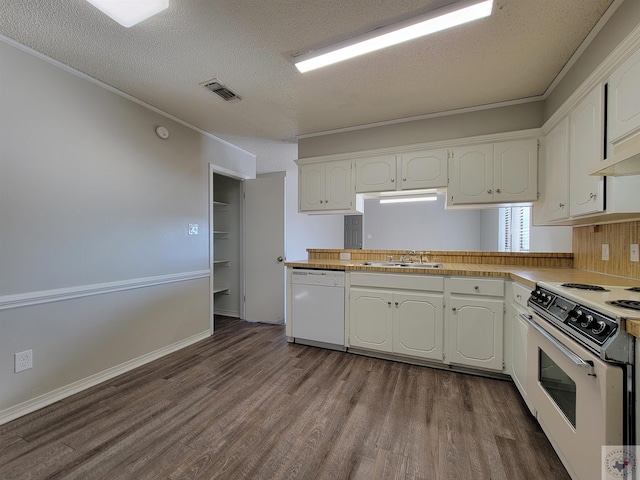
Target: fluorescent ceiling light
[408,199]
[451,15]
[129,12]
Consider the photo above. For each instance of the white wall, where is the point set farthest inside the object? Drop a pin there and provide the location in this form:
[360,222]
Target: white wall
[420,226]
[97,271]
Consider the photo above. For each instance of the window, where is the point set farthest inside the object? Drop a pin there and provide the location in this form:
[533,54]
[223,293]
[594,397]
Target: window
[514,229]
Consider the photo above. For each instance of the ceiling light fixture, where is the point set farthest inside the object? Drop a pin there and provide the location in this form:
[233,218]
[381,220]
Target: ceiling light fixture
[130,12]
[408,199]
[448,16]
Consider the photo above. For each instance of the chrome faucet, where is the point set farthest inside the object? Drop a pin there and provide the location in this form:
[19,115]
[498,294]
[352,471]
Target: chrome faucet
[408,254]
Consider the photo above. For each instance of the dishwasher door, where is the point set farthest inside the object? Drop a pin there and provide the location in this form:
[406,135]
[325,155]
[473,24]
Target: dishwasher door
[317,304]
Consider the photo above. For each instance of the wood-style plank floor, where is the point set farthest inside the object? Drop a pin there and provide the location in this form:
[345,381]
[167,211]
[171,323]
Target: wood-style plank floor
[247,404]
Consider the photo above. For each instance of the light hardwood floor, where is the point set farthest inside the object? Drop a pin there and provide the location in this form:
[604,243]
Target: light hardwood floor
[247,404]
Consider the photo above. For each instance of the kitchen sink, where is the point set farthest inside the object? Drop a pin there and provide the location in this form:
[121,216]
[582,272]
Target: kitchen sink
[403,264]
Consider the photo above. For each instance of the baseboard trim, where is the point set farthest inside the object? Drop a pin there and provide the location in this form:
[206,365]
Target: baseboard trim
[37,403]
[60,294]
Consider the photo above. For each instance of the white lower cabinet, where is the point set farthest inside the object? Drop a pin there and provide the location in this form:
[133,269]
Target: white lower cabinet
[370,319]
[475,323]
[519,333]
[407,321]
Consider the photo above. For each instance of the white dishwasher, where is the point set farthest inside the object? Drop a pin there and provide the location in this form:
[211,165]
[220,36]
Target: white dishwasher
[317,307]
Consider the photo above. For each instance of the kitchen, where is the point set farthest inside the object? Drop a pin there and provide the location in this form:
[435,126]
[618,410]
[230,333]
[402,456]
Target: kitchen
[97,266]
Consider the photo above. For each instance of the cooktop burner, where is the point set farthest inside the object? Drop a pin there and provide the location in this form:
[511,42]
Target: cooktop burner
[633,289]
[584,286]
[630,304]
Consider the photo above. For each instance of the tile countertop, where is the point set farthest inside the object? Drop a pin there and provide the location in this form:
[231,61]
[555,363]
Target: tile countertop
[526,275]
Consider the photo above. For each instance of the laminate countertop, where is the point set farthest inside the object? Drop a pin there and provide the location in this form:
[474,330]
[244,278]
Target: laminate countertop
[526,275]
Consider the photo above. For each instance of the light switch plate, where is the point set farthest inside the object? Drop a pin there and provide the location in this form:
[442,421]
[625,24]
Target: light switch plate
[605,252]
[635,255]
[193,229]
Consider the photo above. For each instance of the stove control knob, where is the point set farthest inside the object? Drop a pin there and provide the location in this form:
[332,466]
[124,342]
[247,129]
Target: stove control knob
[586,323]
[573,315]
[578,316]
[601,328]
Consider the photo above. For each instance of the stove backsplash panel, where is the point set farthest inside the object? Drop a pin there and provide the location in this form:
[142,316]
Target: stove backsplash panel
[587,248]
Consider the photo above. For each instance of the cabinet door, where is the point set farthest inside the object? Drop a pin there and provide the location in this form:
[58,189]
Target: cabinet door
[476,332]
[370,319]
[418,325]
[515,171]
[471,175]
[376,174]
[311,187]
[423,169]
[624,99]
[519,356]
[586,144]
[339,192]
[554,203]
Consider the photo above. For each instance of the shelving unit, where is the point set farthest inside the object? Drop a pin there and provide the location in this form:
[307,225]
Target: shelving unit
[226,245]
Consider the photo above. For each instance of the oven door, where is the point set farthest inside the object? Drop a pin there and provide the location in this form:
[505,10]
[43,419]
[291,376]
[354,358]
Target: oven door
[578,398]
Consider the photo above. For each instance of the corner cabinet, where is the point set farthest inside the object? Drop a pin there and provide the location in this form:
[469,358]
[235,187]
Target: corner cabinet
[624,100]
[503,172]
[326,187]
[475,322]
[400,314]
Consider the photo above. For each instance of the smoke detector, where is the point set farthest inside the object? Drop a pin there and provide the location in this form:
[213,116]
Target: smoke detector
[216,86]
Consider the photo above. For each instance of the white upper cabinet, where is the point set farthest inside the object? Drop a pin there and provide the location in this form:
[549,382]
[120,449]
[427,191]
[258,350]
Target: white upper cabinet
[586,148]
[406,171]
[624,99]
[515,171]
[471,175]
[326,186]
[503,172]
[554,202]
[423,169]
[376,174]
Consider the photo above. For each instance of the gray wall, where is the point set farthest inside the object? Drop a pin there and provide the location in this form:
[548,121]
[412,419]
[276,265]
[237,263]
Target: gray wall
[482,122]
[94,211]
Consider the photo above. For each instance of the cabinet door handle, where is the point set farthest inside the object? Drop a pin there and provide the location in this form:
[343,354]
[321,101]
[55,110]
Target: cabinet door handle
[396,304]
[404,179]
[489,191]
[476,288]
[454,309]
[497,190]
[389,303]
[561,205]
[393,180]
[321,201]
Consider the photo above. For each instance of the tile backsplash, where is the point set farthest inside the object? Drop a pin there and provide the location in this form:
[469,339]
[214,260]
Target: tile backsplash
[587,248]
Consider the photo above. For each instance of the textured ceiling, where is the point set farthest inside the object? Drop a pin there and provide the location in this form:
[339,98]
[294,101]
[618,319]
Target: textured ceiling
[516,53]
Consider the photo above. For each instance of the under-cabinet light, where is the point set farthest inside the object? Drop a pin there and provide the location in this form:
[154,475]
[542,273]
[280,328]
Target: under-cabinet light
[451,15]
[130,12]
[408,199]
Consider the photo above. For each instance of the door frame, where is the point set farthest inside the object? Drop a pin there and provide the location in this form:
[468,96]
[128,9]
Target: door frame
[237,176]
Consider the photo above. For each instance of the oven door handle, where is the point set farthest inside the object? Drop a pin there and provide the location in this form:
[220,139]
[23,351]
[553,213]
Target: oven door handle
[576,359]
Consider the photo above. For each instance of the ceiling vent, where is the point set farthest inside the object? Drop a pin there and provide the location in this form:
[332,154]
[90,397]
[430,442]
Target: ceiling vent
[221,90]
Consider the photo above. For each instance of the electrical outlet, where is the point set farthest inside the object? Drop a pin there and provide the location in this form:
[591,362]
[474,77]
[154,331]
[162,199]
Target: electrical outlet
[605,252]
[193,229]
[23,361]
[635,255]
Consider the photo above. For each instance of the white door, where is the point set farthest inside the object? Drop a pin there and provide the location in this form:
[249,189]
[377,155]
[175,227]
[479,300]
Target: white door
[476,330]
[418,324]
[471,175]
[264,249]
[423,169]
[515,171]
[370,319]
[376,174]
